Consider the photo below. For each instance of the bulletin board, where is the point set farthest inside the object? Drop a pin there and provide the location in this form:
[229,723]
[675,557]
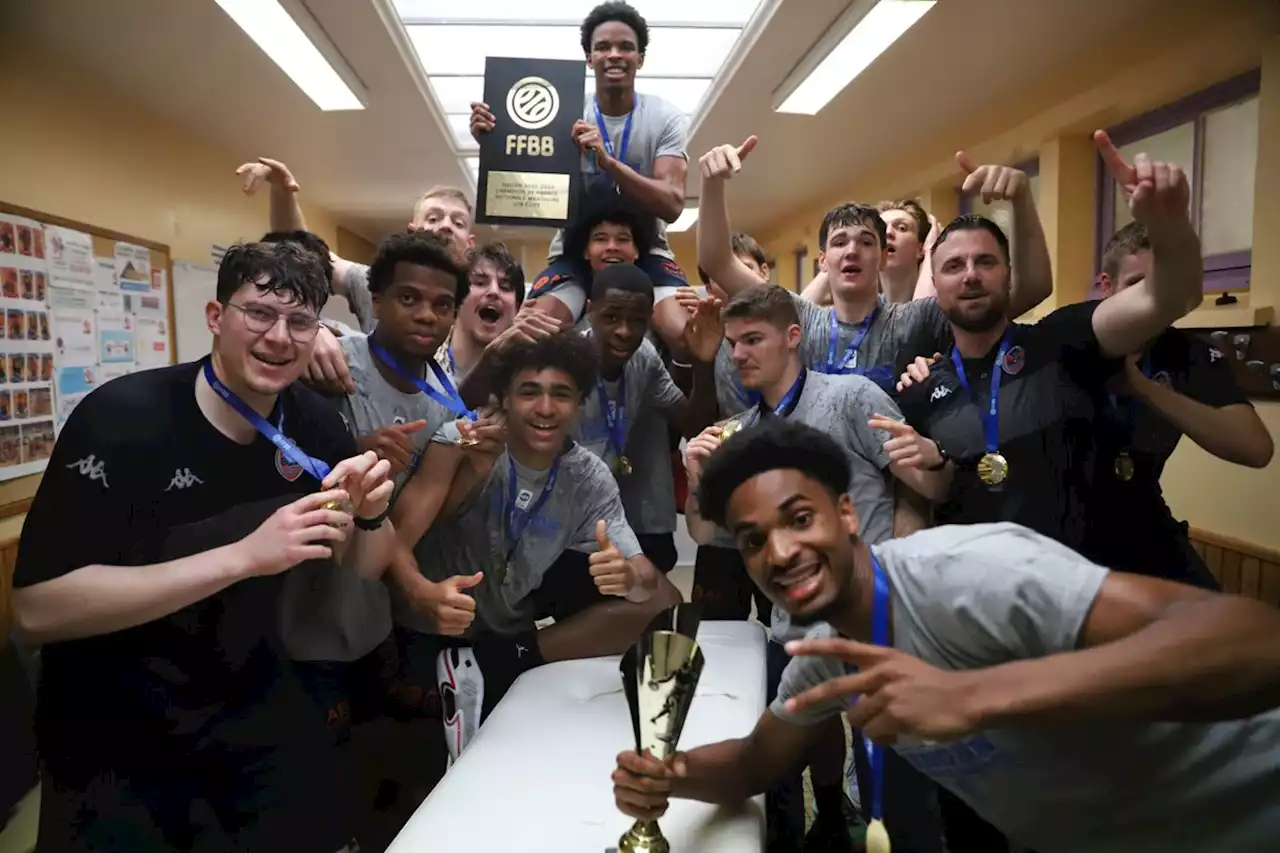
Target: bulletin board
[79,306]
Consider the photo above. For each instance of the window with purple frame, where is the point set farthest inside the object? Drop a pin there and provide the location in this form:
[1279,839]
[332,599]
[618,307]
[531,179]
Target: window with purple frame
[1213,135]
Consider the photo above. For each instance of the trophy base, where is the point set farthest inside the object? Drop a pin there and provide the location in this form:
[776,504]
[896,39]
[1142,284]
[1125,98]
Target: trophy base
[644,837]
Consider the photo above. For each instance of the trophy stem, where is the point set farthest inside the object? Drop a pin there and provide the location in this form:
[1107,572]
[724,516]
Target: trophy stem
[644,837]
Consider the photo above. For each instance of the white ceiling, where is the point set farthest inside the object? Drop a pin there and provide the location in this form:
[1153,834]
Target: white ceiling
[188,61]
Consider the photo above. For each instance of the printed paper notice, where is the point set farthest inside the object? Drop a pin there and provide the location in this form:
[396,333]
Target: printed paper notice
[71,262]
[133,268]
[153,342]
[104,275]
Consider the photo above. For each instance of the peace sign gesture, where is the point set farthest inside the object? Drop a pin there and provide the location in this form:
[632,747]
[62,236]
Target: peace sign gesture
[1157,193]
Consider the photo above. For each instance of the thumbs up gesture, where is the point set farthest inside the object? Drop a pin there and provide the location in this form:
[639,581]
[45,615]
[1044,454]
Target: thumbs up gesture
[611,572]
[1158,193]
[724,161]
[449,605]
[994,183]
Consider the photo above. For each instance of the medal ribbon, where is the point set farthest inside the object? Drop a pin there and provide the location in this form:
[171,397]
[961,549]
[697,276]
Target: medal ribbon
[879,637]
[621,154]
[850,354]
[615,416]
[450,399]
[789,400]
[517,520]
[317,468]
[990,415]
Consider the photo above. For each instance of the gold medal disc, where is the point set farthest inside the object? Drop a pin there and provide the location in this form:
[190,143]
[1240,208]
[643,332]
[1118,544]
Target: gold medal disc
[1124,466]
[730,428]
[467,442]
[877,838]
[623,466]
[993,469]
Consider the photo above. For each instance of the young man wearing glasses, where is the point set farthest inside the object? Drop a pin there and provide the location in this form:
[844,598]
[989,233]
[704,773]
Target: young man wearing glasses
[195,488]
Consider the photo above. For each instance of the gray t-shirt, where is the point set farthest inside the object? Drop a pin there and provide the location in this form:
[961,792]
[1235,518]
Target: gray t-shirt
[474,538]
[658,129]
[327,612]
[978,595]
[356,280]
[919,323]
[647,386]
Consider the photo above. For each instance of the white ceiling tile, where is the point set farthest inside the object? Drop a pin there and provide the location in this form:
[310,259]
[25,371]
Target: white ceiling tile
[735,12]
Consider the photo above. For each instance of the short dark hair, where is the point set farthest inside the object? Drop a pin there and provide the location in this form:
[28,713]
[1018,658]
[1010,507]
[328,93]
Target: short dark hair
[311,242]
[912,207]
[769,302]
[423,248]
[623,13]
[974,222]
[571,352]
[499,255]
[848,214]
[625,277]
[599,207]
[773,444]
[285,269]
[1129,240]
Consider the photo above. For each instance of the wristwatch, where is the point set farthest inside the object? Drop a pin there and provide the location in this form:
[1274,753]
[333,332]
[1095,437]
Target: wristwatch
[946,457]
[372,523]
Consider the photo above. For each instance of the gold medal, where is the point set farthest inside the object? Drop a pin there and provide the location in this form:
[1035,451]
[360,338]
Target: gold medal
[877,837]
[1124,466]
[993,468]
[622,466]
[730,427]
[343,505]
[466,442]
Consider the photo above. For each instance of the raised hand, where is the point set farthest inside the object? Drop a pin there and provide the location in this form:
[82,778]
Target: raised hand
[482,120]
[994,183]
[450,606]
[266,170]
[724,161]
[611,572]
[698,450]
[300,531]
[394,444]
[486,436]
[366,480]
[704,331]
[906,446]
[327,371]
[1157,193]
[917,371]
[895,693]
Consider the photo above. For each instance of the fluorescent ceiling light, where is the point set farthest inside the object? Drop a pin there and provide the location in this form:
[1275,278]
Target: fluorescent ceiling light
[280,37]
[688,216]
[856,40]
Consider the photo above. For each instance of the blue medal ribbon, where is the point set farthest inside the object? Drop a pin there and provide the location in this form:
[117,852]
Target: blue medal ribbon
[789,400]
[850,354]
[615,415]
[879,637]
[517,520]
[450,399]
[274,433]
[989,415]
[621,154]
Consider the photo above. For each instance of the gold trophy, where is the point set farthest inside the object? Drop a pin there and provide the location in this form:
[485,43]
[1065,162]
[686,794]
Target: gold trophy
[731,426]
[659,675]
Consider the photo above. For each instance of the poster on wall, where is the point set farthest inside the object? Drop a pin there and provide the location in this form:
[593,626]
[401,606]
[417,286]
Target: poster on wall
[71,261]
[26,349]
[133,268]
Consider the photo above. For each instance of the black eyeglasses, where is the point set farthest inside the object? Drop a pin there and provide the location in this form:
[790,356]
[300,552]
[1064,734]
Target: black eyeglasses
[261,319]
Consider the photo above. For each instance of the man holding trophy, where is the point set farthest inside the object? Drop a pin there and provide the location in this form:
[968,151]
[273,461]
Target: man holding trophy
[1074,707]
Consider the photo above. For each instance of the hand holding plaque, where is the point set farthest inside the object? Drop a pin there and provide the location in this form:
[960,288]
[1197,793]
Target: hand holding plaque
[659,675]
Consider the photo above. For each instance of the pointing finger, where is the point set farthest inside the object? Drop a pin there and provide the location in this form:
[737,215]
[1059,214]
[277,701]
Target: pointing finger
[964,161]
[1117,165]
[747,147]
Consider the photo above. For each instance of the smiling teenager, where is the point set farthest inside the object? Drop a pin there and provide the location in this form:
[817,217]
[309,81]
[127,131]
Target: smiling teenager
[197,487]
[1075,708]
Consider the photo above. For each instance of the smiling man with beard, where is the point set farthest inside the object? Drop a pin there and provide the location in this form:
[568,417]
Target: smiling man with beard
[1075,708]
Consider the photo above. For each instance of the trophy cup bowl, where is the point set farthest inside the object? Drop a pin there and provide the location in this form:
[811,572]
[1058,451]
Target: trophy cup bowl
[659,676]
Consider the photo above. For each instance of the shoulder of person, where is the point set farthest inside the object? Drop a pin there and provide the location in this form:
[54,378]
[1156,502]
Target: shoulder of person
[585,470]
[312,411]
[958,552]
[123,410]
[1069,317]
[658,106]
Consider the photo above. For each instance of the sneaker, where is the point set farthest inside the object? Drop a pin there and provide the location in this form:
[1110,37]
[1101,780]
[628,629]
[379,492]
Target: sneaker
[461,697]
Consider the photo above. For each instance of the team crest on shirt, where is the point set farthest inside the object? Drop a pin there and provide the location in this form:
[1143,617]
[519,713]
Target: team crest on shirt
[286,468]
[1163,377]
[398,420]
[1014,360]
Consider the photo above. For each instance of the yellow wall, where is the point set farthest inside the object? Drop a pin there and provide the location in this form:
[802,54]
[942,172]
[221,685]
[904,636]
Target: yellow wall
[1190,46]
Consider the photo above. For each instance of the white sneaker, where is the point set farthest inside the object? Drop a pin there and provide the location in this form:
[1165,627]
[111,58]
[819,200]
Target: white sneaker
[461,697]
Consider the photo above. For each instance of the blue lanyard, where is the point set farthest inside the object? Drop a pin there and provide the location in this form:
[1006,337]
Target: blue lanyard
[879,637]
[450,399]
[789,400]
[850,354]
[990,415]
[317,468]
[518,519]
[621,154]
[615,415]
[453,368]
[1126,414]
